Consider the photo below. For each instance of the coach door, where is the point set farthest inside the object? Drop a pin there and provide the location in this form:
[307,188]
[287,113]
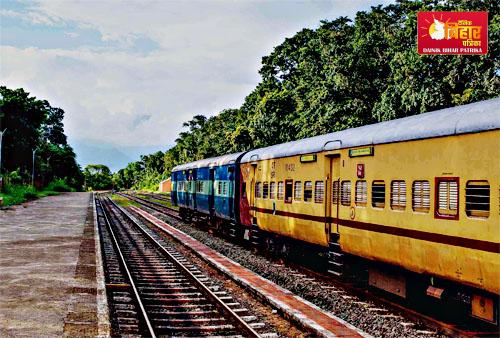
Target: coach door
[211,190]
[253,172]
[191,189]
[333,195]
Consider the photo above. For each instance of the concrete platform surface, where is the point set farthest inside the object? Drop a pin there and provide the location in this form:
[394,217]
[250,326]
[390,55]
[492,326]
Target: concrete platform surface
[40,245]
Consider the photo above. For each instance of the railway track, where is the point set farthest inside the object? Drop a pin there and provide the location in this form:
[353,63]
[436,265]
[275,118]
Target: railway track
[154,291]
[171,212]
[429,321]
[156,197]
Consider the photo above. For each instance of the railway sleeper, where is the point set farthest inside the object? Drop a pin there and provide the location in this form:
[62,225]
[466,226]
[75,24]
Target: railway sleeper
[196,329]
[184,314]
[156,300]
[180,322]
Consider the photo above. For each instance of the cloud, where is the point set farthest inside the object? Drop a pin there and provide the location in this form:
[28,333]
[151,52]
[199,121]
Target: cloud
[143,68]
[72,34]
[140,119]
[33,17]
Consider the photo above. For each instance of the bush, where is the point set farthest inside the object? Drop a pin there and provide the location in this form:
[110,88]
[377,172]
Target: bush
[14,177]
[15,194]
[59,186]
[29,195]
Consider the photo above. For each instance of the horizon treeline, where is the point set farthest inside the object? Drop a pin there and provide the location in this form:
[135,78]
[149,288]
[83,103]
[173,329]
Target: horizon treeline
[343,74]
[34,135]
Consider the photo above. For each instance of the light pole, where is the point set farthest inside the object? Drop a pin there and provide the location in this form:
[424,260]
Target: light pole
[33,169]
[1,133]
[1,137]
[47,172]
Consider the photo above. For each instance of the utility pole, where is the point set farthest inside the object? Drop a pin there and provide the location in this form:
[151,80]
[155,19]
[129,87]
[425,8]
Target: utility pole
[1,134]
[33,171]
[47,172]
[1,137]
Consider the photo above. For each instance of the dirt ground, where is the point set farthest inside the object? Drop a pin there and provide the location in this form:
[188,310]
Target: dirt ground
[39,249]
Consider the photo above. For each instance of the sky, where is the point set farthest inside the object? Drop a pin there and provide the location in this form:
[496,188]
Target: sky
[129,73]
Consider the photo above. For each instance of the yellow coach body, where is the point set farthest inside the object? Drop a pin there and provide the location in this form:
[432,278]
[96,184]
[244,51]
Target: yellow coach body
[470,157]
[456,244]
[287,221]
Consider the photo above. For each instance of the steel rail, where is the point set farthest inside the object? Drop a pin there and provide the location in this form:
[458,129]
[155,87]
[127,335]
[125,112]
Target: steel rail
[151,204]
[129,275]
[155,196]
[240,323]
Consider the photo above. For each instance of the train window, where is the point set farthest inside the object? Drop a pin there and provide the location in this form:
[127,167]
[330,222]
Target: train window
[225,189]
[477,199]
[199,186]
[398,195]
[272,190]
[265,193]
[288,191]
[220,188]
[421,196]
[258,190]
[244,189]
[319,192]
[447,197]
[378,194]
[345,193]
[281,191]
[335,192]
[308,191]
[297,191]
[361,196]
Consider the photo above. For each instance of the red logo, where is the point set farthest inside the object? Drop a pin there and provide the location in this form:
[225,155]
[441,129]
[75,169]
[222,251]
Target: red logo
[452,32]
[360,170]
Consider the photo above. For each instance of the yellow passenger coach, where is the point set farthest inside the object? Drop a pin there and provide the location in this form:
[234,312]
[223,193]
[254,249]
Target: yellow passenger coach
[419,193]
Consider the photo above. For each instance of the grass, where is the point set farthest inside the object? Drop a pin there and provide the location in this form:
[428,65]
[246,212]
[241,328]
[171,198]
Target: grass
[123,201]
[166,203]
[17,194]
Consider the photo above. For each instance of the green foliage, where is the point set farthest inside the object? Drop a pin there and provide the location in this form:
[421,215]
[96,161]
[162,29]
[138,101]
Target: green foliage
[18,193]
[15,194]
[97,177]
[33,124]
[14,177]
[344,74]
[59,186]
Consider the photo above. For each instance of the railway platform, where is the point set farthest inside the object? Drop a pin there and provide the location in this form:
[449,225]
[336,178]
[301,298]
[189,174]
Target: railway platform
[50,281]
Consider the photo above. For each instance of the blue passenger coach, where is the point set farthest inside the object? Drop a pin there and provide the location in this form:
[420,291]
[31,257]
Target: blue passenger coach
[207,188]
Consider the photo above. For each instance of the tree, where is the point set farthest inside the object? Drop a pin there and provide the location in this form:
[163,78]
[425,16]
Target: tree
[34,124]
[344,74]
[23,116]
[97,177]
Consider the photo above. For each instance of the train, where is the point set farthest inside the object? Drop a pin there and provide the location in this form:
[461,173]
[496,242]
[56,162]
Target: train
[413,201]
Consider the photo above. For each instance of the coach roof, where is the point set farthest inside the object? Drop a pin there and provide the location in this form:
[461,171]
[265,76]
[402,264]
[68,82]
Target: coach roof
[209,162]
[474,117]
